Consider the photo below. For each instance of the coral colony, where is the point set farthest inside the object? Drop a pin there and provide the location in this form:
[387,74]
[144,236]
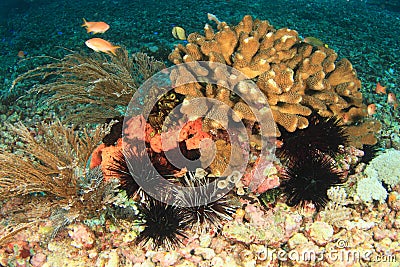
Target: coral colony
[95,175]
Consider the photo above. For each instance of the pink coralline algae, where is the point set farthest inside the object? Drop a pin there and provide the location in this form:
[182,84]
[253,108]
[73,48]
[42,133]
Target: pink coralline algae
[82,236]
[38,259]
[262,176]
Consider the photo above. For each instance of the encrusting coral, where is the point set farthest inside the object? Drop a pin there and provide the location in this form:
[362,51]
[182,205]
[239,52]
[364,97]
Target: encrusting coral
[296,77]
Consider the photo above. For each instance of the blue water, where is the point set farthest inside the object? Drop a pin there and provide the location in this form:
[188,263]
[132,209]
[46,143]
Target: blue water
[366,32]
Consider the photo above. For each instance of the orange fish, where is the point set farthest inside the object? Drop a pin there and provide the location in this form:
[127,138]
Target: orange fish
[371,109]
[392,99]
[101,45]
[95,26]
[21,54]
[380,89]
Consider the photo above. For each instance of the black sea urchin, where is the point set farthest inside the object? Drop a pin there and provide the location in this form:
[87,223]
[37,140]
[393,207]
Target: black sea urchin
[198,200]
[370,152]
[322,135]
[309,180]
[119,168]
[131,167]
[164,224]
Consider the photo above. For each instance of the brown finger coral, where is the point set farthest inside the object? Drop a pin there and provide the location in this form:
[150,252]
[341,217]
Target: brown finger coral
[295,77]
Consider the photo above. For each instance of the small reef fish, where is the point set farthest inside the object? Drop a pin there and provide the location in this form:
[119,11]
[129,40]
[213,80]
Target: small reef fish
[371,109]
[179,33]
[95,26]
[101,45]
[379,89]
[21,54]
[392,99]
[314,41]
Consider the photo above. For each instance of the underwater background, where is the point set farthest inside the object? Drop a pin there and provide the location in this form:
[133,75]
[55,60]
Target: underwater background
[273,226]
[365,32]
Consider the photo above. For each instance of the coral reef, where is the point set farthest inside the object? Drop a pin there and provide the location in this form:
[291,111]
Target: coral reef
[58,186]
[370,189]
[263,175]
[364,133]
[336,212]
[296,77]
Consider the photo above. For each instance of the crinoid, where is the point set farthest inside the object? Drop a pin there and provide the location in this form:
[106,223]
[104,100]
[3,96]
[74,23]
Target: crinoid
[309,180]
[323,135]
[164,225]
[112,82]
[198,201]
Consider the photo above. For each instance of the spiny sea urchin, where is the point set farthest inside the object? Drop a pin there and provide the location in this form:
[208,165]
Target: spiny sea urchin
[323,135]
[370,152]
[309,180]
[131,167]
[199,202]
[164,224]
[120,169]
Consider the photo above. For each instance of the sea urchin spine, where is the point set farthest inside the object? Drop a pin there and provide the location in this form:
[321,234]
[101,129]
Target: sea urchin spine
[164,224]
[323,135]
[202,208]
[308,180]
